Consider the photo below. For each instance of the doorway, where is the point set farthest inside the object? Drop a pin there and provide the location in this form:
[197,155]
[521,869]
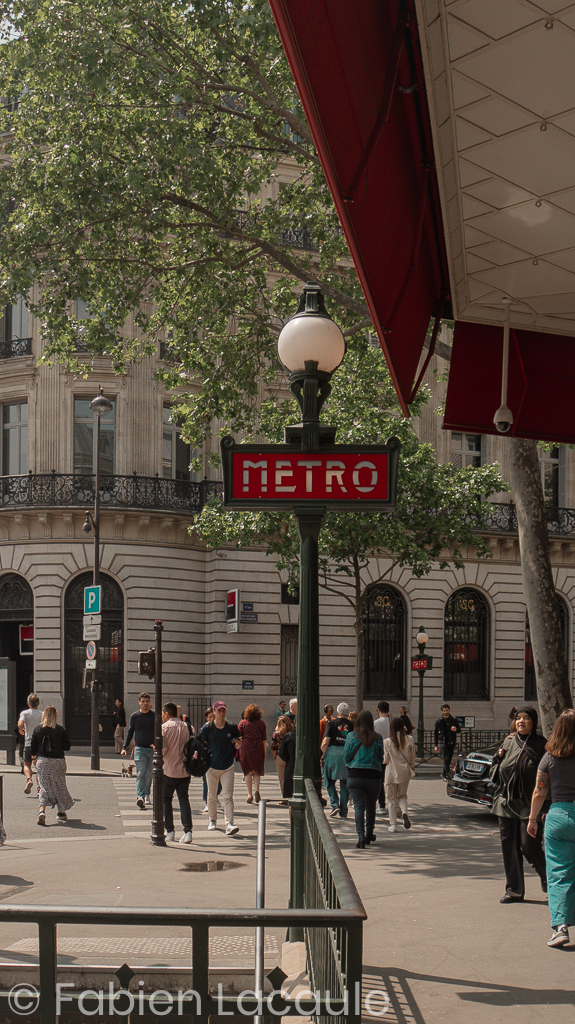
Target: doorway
[17,609]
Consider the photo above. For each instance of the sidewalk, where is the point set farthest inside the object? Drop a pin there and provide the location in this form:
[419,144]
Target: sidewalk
[437,940]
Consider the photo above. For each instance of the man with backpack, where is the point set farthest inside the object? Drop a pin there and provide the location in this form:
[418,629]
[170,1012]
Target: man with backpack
[176,775]
[223,738]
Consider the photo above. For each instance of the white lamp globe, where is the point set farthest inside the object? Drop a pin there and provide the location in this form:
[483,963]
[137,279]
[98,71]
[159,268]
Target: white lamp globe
[422,637]
[311,337]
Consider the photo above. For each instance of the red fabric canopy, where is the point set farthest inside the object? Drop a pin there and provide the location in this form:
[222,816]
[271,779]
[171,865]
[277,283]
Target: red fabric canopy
[358,72]
[540,389]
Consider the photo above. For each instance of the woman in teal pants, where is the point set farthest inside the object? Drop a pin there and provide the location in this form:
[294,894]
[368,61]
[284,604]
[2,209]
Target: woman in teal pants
[556,781]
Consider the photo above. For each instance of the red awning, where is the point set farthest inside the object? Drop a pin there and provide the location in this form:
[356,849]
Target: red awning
[540,389]
[359,76]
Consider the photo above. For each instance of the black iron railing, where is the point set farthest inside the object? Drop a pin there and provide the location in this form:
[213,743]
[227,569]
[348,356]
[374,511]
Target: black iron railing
[467,739]
[70,490]
[15,347]
[502,518]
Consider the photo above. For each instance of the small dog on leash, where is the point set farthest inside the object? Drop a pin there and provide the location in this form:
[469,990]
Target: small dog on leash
[127,770]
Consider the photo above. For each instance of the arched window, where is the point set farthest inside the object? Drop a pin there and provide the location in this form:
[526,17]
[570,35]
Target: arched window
[384,635]
[467,622]
[111,658]
[16,610]
[530,680]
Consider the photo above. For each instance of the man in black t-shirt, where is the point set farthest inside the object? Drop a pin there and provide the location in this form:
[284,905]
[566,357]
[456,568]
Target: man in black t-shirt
[333,764]
[141,727]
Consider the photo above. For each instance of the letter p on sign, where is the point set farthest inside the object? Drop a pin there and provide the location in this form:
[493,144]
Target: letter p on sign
[92,600]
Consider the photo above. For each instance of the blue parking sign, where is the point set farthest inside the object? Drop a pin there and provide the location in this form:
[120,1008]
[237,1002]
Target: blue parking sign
[92,600]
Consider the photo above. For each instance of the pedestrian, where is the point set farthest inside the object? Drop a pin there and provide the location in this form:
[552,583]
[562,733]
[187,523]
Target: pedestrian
[224,738]
[334,768]
[29,719]
[409,726]
[445,735]
[556,781]
[176,735]
[515,771]
[253,749]
[512,715]
[283,726]
[292,713]
[281,709]
[209,716]
[141,727]
[327,717]
[286,753]
[399,757]
[48,745]
[381,726]
[363,755]
[120,725]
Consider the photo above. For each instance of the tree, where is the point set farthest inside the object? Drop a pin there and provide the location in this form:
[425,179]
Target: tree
[439,508]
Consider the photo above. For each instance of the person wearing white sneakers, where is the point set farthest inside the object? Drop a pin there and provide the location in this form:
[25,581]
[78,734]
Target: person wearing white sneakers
[399,757]
[222,737]
[29,719]
[141,727]
[176,734]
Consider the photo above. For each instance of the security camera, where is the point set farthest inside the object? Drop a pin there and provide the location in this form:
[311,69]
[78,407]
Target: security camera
[503,419]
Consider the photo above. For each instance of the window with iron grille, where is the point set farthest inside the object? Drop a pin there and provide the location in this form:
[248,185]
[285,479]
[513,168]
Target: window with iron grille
[466,646]
[465,449]
[530,678]
[384,637]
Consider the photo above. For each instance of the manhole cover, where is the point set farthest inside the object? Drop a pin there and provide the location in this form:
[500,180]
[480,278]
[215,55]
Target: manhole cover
[212,865]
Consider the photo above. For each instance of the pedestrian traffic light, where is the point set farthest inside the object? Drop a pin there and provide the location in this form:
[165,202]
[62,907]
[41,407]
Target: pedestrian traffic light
[232,606]
[147,663]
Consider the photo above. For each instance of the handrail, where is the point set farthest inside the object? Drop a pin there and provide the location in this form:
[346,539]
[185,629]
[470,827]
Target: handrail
[75,490]
[349,898]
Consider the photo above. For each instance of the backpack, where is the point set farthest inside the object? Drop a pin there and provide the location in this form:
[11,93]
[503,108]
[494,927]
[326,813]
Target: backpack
[197,757]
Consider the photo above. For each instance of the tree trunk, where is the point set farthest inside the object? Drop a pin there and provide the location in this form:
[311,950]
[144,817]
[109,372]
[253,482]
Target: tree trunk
[547,641]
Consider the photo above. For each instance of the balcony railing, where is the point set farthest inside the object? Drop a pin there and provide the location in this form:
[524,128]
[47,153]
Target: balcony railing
[15,347]
[502,518]
[68,490]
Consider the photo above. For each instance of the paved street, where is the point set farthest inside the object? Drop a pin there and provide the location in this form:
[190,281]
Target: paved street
[437,939]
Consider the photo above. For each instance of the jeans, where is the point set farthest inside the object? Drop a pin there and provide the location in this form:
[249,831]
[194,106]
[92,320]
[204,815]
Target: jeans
[447,755]
[364,793]
[180,787]
[343,799]
[516,844]
[143,757]
[560,853]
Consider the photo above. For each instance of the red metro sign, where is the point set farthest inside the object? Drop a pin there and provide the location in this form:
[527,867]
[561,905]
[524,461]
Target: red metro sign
[282,476]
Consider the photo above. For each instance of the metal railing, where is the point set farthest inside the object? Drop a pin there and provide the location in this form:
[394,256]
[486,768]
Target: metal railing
[71,490]
[332,924]
[467,739]
[335,953]
[502,518]
[15,347]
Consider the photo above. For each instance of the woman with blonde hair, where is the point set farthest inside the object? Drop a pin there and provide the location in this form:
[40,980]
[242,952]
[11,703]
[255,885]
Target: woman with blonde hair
[283,726]
[252,752]
[49,741]
[399,758]
[556,781]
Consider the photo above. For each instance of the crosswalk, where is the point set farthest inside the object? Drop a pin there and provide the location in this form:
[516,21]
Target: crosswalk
[134,821]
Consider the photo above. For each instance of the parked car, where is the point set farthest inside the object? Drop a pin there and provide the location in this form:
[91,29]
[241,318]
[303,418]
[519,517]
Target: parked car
[469,777]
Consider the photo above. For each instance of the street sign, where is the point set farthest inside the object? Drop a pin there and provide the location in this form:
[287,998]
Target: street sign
[92,600]
[91,650]
[92,620]
[232,605]
[247,606]
[233,627]
[249,617]
[421,664]
[284,476]
[247,684]
[470,722]
[92,632]
[90,663]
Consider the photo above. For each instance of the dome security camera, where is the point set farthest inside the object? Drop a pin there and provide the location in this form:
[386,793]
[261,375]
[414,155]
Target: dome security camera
[503,419]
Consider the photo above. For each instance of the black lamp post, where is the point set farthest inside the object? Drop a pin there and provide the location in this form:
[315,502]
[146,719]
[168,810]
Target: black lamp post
[100,406]
[421,640]
[310,347]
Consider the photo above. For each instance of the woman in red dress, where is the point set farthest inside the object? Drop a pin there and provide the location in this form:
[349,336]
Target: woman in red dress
[253,749]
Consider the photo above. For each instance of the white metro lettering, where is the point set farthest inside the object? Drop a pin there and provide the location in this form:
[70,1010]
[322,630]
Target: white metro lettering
[263,465]
[308,463]
[280,473]
[355,476]
[334,470]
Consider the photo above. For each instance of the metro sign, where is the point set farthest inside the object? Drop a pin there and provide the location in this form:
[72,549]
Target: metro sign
[284,476]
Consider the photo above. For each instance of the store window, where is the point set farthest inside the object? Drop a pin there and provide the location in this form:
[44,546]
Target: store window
[384,637]
[176,454]
[466,646]
[84,435]
[14,438]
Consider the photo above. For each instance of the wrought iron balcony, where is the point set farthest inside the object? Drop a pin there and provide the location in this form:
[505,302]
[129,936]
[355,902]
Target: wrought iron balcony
[502,518]
[68,490]
[16,347]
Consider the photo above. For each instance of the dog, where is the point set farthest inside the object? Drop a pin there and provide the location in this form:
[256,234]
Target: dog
[127,770]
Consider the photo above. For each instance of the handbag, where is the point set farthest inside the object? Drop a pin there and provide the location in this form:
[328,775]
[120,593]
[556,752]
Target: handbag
[411,770]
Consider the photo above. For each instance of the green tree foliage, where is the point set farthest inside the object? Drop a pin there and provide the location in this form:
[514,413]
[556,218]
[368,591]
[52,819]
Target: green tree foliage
[438,509]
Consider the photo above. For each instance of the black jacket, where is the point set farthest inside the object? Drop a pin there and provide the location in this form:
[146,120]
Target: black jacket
[443,734]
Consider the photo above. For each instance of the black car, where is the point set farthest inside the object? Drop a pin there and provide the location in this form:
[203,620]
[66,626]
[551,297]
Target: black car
[469,777]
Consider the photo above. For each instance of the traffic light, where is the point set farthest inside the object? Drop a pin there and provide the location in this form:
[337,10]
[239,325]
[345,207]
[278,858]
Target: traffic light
[232,606]
[147,663]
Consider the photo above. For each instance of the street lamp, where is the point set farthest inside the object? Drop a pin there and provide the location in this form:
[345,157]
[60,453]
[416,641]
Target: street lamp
[422,663]
[310,347]
[100,406]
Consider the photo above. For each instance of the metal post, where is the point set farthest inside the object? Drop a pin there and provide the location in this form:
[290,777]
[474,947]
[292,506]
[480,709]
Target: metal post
[420,726]
[307,720]
[158,838]
[95,706]
[260,904]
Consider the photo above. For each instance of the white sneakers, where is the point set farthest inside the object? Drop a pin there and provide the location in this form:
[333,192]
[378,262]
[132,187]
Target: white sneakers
[170,836]
[231,829]
[392,828]
[186,838]
[212,826]
[206,809]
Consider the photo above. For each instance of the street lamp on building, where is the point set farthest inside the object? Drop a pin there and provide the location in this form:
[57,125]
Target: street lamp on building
[422,664]
[310,347]
[100,406]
